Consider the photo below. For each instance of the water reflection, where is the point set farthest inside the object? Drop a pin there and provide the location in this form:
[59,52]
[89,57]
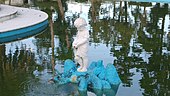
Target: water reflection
[14,69]
[132,35]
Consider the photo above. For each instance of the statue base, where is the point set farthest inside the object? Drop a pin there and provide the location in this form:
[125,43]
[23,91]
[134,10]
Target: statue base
[96,77]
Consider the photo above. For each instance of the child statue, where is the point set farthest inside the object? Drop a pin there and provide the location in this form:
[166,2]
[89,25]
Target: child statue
[80,44]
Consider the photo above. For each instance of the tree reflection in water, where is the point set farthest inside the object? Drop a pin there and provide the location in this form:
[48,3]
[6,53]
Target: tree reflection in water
[136,33]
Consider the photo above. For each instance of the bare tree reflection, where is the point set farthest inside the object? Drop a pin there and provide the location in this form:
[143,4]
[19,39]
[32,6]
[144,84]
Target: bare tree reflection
[61,9]
[52,45]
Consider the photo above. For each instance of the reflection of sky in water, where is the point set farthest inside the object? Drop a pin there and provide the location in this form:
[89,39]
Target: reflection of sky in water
[28,43]
[166,30]
[143,54]
[134,89]
[78,8]
[107,9]
[100,52]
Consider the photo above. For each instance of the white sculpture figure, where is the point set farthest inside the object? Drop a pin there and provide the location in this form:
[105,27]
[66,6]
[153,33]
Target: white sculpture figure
[80,44]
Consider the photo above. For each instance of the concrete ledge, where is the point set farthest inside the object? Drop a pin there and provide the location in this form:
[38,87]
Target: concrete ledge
[7,13]
[24,17]
[19,23]
[22,33]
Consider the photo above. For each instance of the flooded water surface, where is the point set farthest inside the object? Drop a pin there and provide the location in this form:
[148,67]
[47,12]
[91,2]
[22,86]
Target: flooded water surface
[134,36]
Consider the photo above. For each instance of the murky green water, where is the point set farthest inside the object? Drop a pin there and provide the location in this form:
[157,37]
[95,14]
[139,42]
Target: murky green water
[134,36]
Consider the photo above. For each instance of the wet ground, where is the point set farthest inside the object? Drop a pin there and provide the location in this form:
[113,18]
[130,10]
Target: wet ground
[134,36]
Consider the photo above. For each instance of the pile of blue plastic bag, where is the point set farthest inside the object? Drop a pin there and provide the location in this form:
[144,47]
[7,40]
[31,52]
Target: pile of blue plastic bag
[97,76]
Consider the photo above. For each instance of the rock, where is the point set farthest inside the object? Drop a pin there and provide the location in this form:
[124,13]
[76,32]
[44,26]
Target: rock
[111,75]
[83,84]
[102,74]
[97,76]
[69,68]
[95,81]
[105,84]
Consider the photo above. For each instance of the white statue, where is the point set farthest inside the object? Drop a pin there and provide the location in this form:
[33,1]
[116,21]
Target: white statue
[80,44]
